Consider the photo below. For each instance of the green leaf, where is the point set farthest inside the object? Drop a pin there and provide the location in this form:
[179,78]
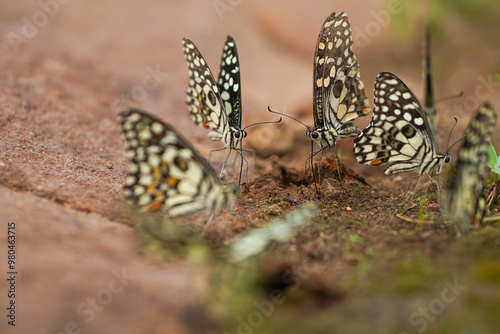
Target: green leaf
[493,160]
[492,157]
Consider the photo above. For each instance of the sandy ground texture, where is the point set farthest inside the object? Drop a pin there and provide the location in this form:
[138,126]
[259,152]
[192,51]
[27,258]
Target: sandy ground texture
[67,68]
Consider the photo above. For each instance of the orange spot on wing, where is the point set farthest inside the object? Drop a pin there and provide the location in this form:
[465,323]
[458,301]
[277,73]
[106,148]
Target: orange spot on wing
[172,182]
[155,206]
[376,162]
[204,124]
[366,111]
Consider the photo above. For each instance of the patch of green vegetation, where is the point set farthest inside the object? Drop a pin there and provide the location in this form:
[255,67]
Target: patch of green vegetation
[422,215]
[351,239]
[410,273]
[319,221]
[494,163]
[487,271]
[359,191]
[402,281]
[233,289]
[467,9]
[364,265]
[348,221]
[413,275]
[437,10]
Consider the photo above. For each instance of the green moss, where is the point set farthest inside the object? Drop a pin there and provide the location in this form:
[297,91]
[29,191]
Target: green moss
[351,240]
[359,191]
[488,271]
[422,214]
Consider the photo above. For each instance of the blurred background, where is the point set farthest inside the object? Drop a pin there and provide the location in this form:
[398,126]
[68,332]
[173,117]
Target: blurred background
[67,67]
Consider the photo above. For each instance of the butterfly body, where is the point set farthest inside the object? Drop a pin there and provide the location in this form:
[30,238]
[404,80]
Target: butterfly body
[399,133]
[166,173]
[339,94]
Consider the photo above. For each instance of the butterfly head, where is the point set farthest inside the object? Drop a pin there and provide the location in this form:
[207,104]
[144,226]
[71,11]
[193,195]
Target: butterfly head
[314,135]
[322,135]
[239,134]
[442,159]
[233,136]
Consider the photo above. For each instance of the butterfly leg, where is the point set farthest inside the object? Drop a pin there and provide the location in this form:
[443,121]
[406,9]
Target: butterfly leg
[319,164]
[445,182]
[437,185]
[312,166]
[255,160]
[336,162]
[207,224]
[411,181]
[224,164]
[416,186]
[217,149]
[243,159]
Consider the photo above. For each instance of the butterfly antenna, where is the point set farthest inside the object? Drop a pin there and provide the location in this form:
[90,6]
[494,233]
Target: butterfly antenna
[285,115]
[458,141]
[448,148]
[260,123]
[451,97]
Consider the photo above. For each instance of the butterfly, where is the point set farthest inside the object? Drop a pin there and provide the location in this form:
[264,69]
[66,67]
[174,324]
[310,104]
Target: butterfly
[256,241]
[339,94]
[430,109]
[466,203]
[399,133]
[167,174]
[216,105]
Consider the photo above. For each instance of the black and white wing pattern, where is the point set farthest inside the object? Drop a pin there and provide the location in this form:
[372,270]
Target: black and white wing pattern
[339,93]
[229,83]
[430,108]
[215,105]
[398,133]
[166,172]
[465,201]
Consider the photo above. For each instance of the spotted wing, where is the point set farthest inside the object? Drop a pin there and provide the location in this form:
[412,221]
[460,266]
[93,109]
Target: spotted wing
[430,109]
[203,95]
[229,83]
[399,132]
[339,94]
[465,201]
[166,173]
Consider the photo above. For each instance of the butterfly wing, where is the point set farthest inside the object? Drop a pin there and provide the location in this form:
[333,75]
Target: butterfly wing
[203,95]
[229,83]
[339,94]
[399,132]
[465,203]
[430,109]
[256,241]
[166,173]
